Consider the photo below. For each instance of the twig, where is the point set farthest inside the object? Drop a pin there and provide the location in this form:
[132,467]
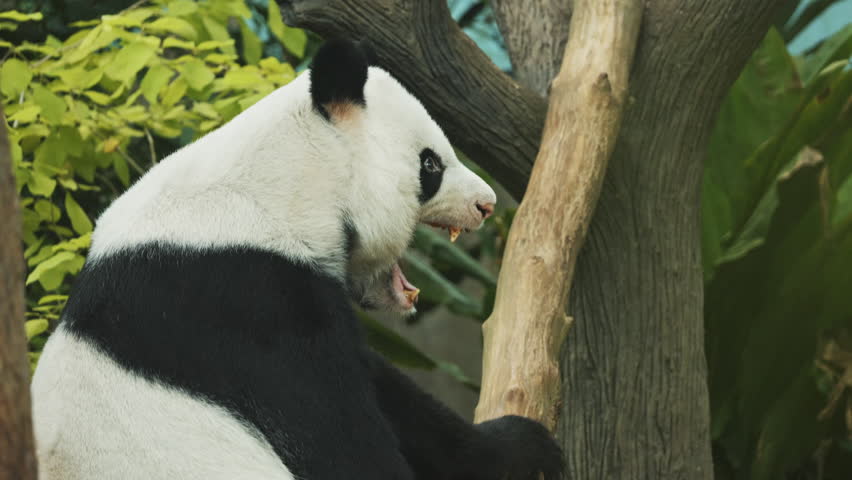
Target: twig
[151,147]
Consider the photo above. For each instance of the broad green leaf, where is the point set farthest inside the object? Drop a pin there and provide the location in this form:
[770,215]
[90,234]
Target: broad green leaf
[196,74]
[36,327]
[121,169]
[27,114]
[52,106]
[243,78]
[293,39]
[218,32]
[79,220]
[129,61]
[174,42]
[836,47]
[172,25]
[252,46]
[40,184]
[94,40]
[79,78]
[17,16]
[97,97]
[15,75]
[47,211]
[51,265]
[174,92]
[155,79]
[181,8]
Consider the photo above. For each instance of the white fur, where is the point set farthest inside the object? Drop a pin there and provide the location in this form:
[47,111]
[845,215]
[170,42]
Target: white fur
[153,432]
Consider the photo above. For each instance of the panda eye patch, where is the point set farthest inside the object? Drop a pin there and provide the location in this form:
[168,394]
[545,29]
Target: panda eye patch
[431,174]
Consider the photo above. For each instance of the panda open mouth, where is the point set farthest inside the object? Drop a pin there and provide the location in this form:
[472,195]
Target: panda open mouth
[404,291]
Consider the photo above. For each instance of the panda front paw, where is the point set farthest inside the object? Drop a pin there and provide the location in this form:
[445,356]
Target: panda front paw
[517,448]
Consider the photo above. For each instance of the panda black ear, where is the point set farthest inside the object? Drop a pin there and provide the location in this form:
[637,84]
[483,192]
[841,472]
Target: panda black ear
[338,75]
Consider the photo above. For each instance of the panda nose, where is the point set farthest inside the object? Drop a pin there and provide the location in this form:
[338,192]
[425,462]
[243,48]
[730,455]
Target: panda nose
[486,209]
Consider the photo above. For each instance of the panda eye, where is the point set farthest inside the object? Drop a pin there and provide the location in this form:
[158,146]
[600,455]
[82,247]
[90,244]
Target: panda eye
[430,162]
[430,165]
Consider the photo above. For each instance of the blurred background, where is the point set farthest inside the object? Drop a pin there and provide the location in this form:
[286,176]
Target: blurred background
[91,103]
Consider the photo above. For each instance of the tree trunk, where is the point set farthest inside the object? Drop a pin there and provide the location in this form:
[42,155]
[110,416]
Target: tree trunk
[635,402]
[525,332]
[17,457]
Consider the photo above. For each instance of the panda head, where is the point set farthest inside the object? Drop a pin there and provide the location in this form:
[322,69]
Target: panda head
[401,171]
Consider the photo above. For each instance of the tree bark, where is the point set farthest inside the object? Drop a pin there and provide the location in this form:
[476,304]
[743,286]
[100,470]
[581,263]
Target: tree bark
[525,332]
[418,41]
[17,457]
[635,396]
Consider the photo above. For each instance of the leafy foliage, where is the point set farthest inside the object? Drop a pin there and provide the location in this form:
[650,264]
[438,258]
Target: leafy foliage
[777,242]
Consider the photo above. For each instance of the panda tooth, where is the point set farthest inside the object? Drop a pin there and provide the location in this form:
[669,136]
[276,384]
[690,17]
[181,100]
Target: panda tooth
[454,233]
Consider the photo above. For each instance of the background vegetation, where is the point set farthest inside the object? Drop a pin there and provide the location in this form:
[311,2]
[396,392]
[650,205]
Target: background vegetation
[91,104]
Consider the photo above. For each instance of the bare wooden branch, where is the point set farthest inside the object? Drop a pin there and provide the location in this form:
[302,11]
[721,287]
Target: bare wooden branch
[17,454]
[524,333]
[485,113]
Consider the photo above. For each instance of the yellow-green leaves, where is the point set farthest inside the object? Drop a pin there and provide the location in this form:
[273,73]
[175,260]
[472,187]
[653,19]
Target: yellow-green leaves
[196,74]
[252,47]
[17,16]
[129,61]
[15,75]
[172,25]
[156,78]
[293,39]
[52,106]
[79,220]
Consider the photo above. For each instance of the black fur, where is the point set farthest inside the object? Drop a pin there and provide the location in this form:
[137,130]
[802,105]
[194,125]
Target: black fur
[430,181]
[277,344]
[338,75]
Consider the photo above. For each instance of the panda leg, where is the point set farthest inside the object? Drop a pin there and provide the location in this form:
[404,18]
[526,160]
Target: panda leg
[438,444]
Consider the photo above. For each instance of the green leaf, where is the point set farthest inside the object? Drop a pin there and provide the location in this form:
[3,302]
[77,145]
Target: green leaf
[836,47]
[79,78]
[17,16]
[36,327]
[155,79]
[172,25]
[121,169]
[47,211]
[52,106]
[252,46]
[15,75]
[27,114]
[79,220]
[196,74]
[50,271]
[218,32]
[182,8]
[129,61]
[293,39]
[174,92]
[174,42]
[40,184]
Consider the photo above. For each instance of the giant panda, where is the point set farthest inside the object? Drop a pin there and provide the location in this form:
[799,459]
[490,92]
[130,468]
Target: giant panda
[211,334]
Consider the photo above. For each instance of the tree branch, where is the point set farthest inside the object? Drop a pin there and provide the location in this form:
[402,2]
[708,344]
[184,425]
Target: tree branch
[485,113]
[524,334]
